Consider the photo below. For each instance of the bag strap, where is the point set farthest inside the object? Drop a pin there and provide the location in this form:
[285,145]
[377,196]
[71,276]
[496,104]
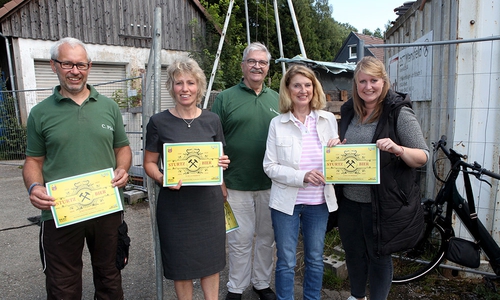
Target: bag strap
[470,201]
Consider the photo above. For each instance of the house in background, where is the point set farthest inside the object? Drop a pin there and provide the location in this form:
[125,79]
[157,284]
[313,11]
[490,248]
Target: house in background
[117,33]
[348,51]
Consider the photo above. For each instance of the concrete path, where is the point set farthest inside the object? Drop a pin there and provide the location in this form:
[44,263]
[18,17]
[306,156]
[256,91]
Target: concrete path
[20,266]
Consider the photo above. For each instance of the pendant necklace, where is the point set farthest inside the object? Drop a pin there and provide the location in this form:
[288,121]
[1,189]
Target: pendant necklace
[188,123]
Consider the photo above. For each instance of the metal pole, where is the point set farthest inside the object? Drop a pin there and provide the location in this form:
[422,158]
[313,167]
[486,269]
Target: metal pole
[278,29]
[297,29]
[484,39]
[217,56]
[152,105]
[247,22]
[11,76]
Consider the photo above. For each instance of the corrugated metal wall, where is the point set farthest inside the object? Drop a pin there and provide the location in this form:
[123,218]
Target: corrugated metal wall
[465,87]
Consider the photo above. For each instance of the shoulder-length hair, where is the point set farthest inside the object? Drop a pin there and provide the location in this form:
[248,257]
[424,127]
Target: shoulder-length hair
[188,66]
[318,100]
[371,66]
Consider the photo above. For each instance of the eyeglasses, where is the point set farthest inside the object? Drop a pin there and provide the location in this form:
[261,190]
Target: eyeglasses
[253,62]
[67,65]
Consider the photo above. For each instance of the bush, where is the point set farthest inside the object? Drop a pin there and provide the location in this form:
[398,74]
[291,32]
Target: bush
[12,132]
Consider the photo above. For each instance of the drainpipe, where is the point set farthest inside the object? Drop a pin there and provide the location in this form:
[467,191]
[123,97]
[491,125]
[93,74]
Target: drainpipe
[360,50]
[11,75]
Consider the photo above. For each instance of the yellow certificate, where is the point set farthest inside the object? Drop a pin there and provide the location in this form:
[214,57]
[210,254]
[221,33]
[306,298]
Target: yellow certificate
[84,197]
[352,164]
[231,223]
[193,163]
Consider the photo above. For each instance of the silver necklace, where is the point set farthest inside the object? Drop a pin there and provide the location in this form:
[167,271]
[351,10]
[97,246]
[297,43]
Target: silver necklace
[188,123]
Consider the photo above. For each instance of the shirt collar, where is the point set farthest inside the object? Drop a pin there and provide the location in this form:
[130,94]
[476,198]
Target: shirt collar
[93,93]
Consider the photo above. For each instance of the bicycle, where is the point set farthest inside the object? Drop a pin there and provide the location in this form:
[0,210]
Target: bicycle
[431,250]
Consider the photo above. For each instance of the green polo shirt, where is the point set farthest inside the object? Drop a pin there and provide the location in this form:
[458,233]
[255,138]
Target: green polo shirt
[245,118]
[75,139]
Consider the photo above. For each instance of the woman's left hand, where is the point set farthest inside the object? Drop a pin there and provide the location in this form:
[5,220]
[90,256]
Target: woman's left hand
[224,162]
[314,177]
[333,142]
[389,146]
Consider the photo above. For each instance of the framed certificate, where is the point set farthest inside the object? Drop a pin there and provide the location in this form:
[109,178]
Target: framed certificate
[193,163]
[352,164]
[84,197]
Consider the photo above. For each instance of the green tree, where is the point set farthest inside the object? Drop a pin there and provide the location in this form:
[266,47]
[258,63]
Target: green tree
[321,34]
[378,33]
[367,32]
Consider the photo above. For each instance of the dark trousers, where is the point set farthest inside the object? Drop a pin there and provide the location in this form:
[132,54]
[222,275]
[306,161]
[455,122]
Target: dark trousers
[61,253]
[363,264]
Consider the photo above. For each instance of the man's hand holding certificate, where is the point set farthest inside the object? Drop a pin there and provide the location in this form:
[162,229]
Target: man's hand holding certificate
[352,164]
[84,197]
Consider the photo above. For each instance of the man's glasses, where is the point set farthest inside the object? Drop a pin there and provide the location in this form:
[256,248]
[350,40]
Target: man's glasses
[253,62]
[67,65]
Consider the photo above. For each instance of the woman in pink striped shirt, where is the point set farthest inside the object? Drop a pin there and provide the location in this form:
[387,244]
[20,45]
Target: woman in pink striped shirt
[300,198]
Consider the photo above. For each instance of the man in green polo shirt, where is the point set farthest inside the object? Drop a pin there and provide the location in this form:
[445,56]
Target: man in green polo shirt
[74,131]
[245,111]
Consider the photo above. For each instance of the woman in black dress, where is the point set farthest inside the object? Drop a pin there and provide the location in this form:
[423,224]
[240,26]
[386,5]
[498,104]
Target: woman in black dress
[190,219]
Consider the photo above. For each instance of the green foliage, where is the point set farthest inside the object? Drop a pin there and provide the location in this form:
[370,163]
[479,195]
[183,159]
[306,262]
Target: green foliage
[487,291]
[122,97]
[322,36]
[228,72]
[125,101]
[332,239]
[367,32]
[12,133]
[331,281]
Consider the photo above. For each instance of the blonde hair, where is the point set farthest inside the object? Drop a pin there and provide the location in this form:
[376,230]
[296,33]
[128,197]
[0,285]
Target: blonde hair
[318,100]
[371,66]
[189,66]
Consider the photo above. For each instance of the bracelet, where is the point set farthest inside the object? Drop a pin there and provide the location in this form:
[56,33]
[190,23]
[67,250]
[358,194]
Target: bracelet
[402,151]
[32,186]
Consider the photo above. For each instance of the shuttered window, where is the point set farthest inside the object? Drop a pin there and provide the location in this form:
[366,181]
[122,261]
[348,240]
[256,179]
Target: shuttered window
[99,73]
[166,99]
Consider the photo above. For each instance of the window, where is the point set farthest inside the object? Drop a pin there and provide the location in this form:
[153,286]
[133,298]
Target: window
[353,51]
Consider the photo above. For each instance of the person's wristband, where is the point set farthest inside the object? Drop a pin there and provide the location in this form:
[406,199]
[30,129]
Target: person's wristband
[402,151]
[32,186]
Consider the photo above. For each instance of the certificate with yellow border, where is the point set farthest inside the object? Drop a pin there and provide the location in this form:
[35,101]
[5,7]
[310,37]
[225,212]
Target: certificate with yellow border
[84,197]
[193,163]
[352,164]
[231,223]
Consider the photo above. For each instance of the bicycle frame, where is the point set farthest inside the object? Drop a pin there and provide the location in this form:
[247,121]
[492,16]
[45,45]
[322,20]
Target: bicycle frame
[455,202]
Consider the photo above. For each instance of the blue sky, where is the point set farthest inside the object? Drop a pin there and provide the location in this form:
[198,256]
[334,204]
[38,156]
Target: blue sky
[370,14]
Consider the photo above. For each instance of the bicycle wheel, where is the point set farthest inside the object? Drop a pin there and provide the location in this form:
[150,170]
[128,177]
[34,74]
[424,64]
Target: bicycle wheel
[416,262]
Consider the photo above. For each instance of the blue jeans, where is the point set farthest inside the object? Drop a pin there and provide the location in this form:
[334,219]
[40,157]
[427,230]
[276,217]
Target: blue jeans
[311,220]
[363,264]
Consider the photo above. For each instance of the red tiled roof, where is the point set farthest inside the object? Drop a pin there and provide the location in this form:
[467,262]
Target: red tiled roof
[371,40]
[10,6]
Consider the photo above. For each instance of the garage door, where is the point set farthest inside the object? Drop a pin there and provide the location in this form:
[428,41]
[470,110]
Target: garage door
[100,73]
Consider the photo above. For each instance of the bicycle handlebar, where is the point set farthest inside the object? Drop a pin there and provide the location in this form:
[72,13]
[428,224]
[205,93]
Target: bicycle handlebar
[457,158]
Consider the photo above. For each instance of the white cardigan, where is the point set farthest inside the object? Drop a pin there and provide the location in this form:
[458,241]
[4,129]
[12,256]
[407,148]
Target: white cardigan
[282,158]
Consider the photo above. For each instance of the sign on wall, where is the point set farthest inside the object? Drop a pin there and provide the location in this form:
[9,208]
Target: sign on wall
[410,70]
